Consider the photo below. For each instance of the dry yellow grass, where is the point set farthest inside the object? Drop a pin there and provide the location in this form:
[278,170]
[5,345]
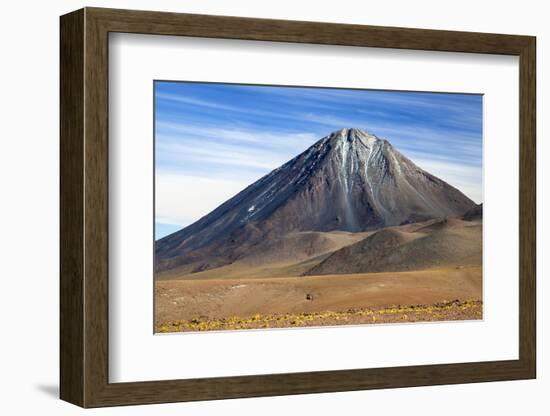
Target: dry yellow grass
[443,311]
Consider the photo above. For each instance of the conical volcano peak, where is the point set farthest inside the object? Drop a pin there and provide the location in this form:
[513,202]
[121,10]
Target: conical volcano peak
[349,181]
[354,135]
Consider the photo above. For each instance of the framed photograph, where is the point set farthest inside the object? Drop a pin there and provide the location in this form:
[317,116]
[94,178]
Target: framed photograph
[255,207]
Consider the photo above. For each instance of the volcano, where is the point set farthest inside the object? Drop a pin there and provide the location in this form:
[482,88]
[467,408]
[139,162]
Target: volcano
[349,181]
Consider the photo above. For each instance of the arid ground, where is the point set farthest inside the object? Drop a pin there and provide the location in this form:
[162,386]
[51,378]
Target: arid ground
[430,271]
[438,294]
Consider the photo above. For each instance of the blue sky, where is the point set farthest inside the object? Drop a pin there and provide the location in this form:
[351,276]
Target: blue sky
[212,140]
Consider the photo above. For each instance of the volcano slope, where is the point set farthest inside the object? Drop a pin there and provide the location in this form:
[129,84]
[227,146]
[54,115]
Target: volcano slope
[349,224]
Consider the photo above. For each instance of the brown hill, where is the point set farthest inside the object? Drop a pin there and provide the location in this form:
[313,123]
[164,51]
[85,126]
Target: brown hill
[443,244]
[297,247]
[288,255]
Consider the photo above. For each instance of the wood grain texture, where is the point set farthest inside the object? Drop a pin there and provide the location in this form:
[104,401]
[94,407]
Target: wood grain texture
[71,208]
[96,208]
[84,207]
[162,23]
[527,208]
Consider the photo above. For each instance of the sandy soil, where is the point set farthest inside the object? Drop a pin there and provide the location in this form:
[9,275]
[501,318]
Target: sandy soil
[209,300]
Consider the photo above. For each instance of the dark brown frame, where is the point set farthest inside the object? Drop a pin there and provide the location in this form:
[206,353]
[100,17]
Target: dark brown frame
[84,208]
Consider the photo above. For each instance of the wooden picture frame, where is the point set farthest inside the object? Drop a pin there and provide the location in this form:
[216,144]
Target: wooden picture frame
[84,207]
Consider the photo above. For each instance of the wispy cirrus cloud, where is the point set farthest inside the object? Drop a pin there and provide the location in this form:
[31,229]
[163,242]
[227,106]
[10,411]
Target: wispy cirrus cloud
[235,133]
[182,99]
[225,151]
[215,153]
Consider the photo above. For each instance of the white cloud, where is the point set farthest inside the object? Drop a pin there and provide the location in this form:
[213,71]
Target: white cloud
[183,199]
[225,152]
[236,134]
[218,154]
[467,179]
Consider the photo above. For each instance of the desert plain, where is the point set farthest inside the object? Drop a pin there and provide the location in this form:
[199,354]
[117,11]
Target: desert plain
[426,271]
